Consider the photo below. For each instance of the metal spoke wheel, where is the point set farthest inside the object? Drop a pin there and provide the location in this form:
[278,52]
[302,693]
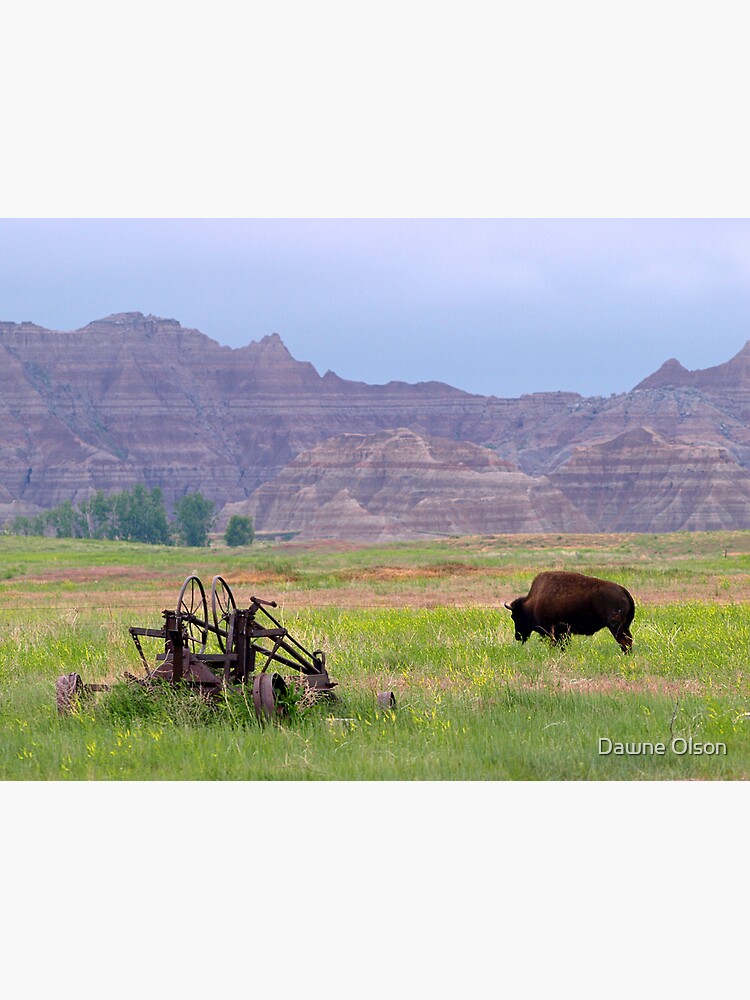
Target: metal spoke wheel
[223,607]
[193,607]
[268,690]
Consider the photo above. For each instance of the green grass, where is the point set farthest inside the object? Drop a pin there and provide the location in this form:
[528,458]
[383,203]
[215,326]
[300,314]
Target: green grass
[709,552]
[471,702]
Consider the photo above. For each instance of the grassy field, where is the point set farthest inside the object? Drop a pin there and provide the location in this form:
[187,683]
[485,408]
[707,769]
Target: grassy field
[423,619]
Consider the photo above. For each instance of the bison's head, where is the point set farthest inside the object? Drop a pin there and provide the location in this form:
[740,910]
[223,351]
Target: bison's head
[520,621]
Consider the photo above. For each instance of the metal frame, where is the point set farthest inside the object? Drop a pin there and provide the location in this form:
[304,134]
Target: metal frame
[250,641]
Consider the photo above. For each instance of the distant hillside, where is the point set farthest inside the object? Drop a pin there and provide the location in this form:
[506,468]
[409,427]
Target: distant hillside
[399,484]
[134,398]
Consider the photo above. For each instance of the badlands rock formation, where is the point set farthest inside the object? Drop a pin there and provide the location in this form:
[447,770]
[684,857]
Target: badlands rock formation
[135,398]
[640,481]
[399,484]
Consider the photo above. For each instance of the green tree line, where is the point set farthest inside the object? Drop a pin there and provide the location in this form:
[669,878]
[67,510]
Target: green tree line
[137,515]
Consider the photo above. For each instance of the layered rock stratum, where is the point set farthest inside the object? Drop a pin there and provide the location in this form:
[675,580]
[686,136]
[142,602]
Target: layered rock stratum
[133,398]
[400,484]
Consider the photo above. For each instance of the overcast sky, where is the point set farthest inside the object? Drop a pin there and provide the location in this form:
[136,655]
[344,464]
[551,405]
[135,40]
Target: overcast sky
[497,307]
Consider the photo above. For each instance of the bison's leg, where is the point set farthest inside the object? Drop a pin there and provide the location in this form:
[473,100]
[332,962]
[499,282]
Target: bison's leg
[548,632]
[558,633]
[562,631]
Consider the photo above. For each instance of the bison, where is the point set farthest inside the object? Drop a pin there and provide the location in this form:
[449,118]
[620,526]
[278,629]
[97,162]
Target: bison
[559,605]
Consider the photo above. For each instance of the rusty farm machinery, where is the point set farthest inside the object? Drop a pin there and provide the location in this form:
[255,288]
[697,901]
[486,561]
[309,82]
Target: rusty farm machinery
[248,644]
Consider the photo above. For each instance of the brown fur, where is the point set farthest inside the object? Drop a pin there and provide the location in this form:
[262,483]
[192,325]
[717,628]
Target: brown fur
[561,604]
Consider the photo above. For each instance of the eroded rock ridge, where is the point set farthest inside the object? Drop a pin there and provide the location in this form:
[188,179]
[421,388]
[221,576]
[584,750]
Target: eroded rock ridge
[133,398]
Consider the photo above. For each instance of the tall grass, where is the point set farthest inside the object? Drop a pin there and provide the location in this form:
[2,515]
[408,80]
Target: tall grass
[471,703]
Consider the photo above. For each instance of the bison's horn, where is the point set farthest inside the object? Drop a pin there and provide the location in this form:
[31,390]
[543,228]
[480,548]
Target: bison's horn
[508,606]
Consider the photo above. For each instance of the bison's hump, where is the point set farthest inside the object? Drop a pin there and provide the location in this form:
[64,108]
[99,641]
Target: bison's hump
[559,587]
[574,581]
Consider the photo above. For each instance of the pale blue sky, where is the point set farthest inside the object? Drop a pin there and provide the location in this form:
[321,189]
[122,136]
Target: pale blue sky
[497,307]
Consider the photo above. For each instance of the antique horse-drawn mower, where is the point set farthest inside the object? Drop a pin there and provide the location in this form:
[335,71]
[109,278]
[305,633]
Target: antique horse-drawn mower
[250,641]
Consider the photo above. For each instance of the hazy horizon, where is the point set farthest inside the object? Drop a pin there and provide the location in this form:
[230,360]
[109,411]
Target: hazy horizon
[496,307]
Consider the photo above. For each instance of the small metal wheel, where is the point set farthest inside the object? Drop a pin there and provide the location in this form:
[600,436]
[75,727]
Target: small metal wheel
[386,699]
[223,607]
[68,690]
[192,605]
[267,688]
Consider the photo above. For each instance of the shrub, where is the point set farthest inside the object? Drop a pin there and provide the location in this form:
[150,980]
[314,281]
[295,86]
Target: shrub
[239,531]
